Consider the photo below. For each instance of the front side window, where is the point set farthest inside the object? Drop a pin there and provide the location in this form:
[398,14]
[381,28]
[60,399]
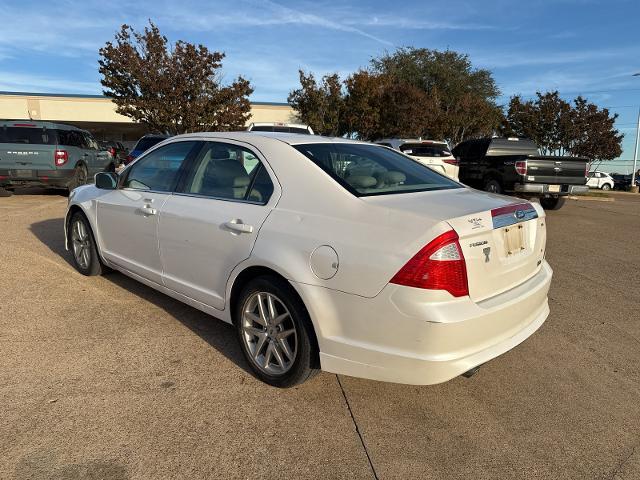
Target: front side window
[158,171]
[373,170]
[227,171]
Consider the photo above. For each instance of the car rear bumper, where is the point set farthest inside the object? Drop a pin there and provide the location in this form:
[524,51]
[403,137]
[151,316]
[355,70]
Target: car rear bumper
[402,335]
[543,189]
[51,178]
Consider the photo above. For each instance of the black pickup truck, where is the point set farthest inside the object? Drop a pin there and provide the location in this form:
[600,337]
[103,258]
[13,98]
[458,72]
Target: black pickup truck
[513,166]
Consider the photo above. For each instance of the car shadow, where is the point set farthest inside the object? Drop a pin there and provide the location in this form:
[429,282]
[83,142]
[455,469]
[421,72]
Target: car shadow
[220,335]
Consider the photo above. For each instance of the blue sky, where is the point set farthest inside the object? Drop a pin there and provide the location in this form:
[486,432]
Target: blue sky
[576,46]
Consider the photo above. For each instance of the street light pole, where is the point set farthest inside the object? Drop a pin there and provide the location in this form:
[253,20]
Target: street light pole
[635,156]
[635,151]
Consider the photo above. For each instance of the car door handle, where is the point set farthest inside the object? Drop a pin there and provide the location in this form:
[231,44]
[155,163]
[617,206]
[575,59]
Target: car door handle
[147,210]
[237,226]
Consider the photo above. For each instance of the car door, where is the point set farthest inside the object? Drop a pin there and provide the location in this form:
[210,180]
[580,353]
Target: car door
[127,218]
[212,221]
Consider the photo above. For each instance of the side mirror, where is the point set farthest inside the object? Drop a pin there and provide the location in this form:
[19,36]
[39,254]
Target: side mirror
[107,180]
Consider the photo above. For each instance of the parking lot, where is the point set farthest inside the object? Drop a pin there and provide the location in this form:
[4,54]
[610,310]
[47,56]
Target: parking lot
[103,377]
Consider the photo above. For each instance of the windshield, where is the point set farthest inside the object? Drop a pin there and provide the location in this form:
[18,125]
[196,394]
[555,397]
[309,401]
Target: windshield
[147,142]
[373,170]
[280,129]
[426,150]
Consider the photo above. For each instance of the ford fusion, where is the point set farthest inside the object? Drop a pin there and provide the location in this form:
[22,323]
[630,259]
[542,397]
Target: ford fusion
[325,254]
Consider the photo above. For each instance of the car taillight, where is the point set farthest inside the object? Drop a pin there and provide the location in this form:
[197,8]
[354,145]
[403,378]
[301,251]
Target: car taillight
[452,161]
[586,170]
[438,266]
[60,157]
[521,167]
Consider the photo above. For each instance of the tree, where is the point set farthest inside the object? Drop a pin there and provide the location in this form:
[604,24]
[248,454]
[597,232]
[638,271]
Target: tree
[464,98]
[172,90]
[319,105]
[409,93]
[560,128]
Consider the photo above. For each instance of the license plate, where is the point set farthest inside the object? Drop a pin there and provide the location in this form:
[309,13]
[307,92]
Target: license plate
[554,188]
[514,240]
[22,173]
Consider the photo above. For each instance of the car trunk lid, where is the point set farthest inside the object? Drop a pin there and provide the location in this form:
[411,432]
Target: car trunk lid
[25,147]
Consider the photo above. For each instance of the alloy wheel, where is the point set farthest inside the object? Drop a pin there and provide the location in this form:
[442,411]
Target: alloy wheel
[81,243]
[269,333]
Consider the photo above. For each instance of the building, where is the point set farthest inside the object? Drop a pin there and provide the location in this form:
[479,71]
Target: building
[97,113]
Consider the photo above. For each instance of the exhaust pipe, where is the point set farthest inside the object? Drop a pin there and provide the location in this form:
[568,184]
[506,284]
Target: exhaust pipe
[472,372]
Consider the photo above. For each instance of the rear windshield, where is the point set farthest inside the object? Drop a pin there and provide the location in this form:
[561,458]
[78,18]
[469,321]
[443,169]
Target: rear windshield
[28,135]
[148,142]
[426,150]
[270,128]
[367,170]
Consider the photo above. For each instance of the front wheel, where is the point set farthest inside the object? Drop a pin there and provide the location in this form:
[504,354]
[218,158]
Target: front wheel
[552,203]
[83,246]
[275,332]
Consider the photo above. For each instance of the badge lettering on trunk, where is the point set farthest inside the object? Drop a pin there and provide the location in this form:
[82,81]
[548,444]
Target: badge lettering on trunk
[487,252]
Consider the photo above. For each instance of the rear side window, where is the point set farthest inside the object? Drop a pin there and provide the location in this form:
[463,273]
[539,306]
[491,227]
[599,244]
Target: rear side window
[158,171]
[228,171]
[71,138]
[373,170]
[426,150]
[28,135]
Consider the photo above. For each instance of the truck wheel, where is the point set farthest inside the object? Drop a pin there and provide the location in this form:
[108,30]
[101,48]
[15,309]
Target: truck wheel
[79,177]
[493,186]
[552,203]
[606,186]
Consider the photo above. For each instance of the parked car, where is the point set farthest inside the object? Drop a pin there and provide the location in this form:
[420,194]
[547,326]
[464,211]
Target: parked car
[432,153]
[414,280]
[600,180]
[623,181]
[280,127]
[117,151]
[48,154]
[514,166]
[144,144]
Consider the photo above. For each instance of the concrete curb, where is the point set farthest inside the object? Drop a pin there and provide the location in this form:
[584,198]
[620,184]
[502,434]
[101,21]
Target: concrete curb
[592,199]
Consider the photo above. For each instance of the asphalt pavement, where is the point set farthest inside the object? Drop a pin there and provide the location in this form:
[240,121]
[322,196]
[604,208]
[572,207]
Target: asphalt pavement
[104,378]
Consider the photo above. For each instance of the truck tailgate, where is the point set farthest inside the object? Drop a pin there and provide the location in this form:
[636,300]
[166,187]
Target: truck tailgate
[556,170]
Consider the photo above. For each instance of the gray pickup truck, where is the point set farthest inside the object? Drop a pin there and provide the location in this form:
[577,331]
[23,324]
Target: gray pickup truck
[48,154]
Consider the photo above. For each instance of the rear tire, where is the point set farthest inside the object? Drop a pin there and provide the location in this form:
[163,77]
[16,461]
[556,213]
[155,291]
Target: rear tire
[552,203]
[80,175]
[492,186]
[275,332]
[606,187]
[83,246]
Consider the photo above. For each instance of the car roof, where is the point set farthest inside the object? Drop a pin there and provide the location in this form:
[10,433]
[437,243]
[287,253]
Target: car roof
[252,137]
[38,124]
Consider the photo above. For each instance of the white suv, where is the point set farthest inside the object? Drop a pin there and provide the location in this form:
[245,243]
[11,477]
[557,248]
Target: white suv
[432,153]
[600,180]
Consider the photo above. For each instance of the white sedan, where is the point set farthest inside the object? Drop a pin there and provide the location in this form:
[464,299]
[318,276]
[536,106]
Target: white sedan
[324,253]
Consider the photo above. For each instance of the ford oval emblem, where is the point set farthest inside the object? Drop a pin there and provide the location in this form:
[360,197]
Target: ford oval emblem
[520,214]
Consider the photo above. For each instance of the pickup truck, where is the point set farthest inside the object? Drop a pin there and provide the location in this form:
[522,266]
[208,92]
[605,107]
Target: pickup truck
[514,166]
